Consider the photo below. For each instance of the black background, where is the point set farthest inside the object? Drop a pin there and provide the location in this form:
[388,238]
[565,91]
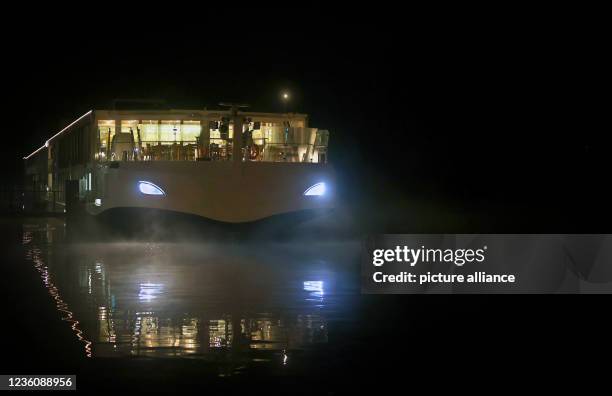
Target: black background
[494,112]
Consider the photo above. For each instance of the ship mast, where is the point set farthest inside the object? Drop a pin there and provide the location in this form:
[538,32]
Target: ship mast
[237,138]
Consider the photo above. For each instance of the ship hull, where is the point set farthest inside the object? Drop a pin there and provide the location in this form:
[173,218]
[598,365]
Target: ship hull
[154,224]
[217,192]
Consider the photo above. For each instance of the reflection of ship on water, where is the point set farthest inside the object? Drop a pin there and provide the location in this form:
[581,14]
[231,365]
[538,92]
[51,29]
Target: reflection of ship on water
[151,334]
[167,300]
[138,328]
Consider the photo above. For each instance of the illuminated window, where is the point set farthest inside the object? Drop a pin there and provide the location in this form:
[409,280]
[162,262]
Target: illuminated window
[106,126]
[170,131]
[215,137]
[149,131]
[258,137]
[127,125]
[190,130]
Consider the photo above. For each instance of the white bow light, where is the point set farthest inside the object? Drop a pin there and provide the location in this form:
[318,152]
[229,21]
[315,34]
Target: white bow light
[149,188]
[317,189]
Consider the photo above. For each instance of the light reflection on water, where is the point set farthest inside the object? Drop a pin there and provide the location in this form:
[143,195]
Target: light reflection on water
[67,315]
[241,302]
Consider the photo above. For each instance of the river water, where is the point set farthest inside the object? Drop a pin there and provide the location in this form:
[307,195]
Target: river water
[258,316]
[240,307]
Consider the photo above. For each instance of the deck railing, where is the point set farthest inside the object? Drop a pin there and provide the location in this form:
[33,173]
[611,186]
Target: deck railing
[217,149]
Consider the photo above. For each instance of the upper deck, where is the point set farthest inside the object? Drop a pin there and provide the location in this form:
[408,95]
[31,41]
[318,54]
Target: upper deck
[185,135]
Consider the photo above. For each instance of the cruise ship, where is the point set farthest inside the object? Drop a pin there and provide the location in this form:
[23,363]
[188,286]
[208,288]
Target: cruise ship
[228,165]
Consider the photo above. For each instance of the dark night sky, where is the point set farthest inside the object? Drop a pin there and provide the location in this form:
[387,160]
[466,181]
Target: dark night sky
[475,112]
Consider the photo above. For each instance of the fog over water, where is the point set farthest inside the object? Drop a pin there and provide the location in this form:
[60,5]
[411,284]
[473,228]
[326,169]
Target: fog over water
[258,303]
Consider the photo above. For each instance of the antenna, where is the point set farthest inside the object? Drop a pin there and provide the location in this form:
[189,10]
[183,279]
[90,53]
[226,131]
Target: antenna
[234,107]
